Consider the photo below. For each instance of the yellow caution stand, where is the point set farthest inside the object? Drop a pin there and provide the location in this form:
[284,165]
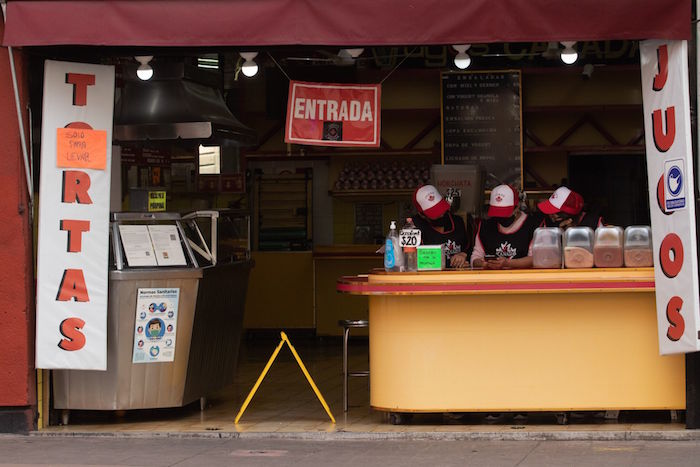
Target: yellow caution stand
[267,368]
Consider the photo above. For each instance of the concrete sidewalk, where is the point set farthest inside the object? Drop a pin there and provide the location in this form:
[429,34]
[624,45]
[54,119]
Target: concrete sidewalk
[244,451]
[497,433]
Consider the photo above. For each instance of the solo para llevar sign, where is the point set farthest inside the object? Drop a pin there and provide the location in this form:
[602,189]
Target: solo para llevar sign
[76,151]
[666,98]
[324,114]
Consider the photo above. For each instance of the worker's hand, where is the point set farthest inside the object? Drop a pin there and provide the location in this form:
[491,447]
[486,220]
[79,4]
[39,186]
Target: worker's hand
[459,260]
[496,263]
[565,224]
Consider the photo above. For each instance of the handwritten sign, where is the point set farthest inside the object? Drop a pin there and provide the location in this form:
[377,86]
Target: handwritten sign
[431,257]
[81,148]
[156,201]
[409,237]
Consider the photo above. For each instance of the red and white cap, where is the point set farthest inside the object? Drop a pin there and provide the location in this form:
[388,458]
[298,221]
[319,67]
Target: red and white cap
[429,202]
[562,200]
[503,200]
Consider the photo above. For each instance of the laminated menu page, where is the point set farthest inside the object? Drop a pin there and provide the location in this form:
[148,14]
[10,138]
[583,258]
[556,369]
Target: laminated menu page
[137,245]
[167,246]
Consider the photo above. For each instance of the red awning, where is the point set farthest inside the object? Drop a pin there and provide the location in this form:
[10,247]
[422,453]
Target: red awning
[340,23]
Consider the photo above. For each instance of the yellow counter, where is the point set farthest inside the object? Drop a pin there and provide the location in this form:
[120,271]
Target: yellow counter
[527,340]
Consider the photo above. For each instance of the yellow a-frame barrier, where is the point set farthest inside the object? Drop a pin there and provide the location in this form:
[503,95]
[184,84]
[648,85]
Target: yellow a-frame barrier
[267,368]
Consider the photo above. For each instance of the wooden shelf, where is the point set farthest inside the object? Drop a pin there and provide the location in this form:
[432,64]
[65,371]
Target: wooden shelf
[556,109]
[370,194]
[597,149]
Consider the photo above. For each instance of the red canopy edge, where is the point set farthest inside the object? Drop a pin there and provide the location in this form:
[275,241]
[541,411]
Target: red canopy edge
[342,23]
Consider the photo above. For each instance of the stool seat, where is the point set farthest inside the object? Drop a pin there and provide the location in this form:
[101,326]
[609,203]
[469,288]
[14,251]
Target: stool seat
[353,323]
[348,324]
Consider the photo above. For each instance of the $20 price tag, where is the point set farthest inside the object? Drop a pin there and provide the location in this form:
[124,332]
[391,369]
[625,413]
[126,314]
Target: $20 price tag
[409,237]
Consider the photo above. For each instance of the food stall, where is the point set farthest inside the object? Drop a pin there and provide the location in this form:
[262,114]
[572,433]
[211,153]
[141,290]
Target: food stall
[519,340]
[35,25]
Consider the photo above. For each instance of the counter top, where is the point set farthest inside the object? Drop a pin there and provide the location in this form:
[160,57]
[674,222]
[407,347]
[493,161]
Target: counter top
[461,282]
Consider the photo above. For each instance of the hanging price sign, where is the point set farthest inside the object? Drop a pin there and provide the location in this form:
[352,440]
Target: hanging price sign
[409,237]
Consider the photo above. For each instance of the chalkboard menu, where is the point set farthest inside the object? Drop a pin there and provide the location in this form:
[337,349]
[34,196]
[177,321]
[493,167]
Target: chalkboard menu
[481,123]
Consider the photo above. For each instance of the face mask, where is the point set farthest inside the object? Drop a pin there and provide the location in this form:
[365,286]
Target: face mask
[445,222]
[505,221]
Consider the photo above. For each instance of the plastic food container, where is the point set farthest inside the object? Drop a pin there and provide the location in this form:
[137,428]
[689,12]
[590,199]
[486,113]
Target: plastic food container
[638,249]
[578,247]
[608,249]
[546,248]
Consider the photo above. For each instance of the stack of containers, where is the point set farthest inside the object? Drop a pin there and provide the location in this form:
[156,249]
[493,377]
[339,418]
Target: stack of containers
[546,248]
[578,247]
[608,249]
[638,250]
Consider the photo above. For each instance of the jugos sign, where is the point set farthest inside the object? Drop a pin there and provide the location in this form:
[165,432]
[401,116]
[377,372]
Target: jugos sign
[666,98]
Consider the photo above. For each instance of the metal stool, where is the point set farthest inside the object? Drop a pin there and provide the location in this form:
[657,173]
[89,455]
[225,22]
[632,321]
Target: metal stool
[347,324]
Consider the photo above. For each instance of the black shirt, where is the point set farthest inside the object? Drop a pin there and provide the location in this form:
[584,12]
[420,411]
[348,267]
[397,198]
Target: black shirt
[454,237]
[512,245]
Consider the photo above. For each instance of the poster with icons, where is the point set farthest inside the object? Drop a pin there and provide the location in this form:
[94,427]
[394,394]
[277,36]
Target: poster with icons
[156,325]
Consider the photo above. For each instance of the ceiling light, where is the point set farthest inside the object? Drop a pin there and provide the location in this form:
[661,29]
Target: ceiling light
[145,70]
[569,54]
[249,67]
[462,59]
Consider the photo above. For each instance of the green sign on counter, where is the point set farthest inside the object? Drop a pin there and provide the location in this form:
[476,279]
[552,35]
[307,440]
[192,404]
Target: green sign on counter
[431,257]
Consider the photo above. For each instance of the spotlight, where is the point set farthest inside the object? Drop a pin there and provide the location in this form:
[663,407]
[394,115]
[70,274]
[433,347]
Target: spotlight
[462,59]
[249,67]
[569,54]
[145,70]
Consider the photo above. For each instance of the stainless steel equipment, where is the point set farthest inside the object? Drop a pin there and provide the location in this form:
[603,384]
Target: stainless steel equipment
[209,327]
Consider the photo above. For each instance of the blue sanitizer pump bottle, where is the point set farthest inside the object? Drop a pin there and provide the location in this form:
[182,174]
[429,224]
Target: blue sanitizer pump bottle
[393,257]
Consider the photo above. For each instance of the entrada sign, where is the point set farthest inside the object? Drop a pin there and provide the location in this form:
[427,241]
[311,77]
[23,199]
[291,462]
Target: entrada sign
[325,114]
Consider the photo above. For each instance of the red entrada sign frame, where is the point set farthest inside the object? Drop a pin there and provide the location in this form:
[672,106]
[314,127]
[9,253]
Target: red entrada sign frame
[327,114]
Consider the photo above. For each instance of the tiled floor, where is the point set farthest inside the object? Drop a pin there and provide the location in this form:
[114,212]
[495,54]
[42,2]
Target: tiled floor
[286,403]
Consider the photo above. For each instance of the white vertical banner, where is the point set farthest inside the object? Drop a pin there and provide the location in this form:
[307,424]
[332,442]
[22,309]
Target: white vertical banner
[666,96]
[76,146]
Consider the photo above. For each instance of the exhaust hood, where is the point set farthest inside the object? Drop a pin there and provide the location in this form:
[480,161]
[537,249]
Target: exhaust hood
[170,109]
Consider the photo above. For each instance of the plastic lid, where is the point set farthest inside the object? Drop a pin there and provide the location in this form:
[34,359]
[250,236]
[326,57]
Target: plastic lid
[547,236]
[608,235]
[579,236]
[638,236]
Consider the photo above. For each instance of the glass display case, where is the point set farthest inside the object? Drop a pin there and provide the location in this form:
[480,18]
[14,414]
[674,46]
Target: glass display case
[174,319]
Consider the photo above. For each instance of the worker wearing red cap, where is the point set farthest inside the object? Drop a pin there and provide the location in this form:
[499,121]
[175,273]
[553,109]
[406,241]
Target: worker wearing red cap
[504,240]
[565,209]
[439,226]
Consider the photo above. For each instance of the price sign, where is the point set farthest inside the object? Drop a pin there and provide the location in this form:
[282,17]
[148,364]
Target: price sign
[81,148]
[409,238]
